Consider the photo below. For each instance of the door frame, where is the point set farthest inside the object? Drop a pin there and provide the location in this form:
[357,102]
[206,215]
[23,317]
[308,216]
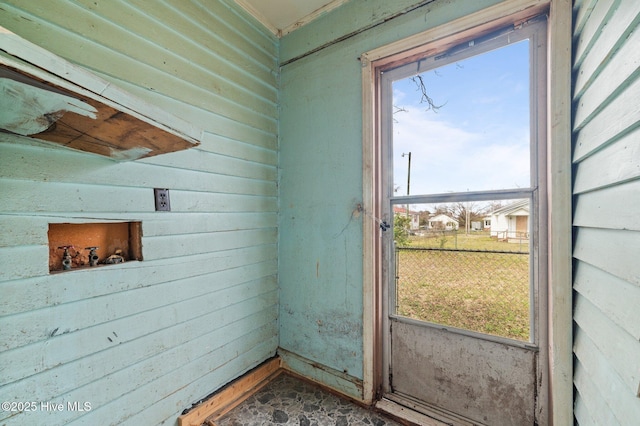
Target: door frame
[556,398]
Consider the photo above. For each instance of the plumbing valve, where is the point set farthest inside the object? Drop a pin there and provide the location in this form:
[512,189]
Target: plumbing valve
[93,256]
[117,257]
[66,257]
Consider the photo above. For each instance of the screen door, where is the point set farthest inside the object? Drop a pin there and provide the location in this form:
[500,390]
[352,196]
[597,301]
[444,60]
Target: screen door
[463,162]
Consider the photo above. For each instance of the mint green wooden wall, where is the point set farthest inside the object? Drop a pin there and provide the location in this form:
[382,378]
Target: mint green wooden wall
[320,248]
[144,340]
[606,159]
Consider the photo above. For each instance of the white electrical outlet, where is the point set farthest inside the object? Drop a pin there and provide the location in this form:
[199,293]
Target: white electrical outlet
[162,199]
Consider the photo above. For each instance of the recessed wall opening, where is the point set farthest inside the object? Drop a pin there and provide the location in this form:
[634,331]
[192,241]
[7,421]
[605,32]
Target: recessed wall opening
[75,246]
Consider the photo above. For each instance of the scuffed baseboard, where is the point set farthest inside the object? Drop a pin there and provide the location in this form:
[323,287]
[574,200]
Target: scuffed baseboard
[231,395]
[327,377]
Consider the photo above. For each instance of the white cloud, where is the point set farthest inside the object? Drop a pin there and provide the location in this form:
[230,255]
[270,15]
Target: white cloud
[446,157]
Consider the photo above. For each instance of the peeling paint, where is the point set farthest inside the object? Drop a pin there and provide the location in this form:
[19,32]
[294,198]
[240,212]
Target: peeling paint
[129,154]
[28,110]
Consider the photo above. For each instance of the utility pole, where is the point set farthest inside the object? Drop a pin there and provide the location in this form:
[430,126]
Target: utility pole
[408,170]
[467,217]
[408,181]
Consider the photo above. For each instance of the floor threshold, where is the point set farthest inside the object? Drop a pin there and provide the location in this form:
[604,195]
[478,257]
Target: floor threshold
[419,413]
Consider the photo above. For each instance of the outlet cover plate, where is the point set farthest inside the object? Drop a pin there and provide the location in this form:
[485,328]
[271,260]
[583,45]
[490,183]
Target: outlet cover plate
[162,199]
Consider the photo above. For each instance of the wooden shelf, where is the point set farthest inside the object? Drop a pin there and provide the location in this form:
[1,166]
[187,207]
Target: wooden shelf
[48,98]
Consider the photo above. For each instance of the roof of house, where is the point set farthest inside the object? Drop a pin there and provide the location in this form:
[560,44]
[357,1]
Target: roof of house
[512,208]
[403,210]
[442,218]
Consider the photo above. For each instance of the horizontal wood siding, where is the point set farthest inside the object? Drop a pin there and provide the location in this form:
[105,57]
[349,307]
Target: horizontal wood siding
[606,159]
[143,340]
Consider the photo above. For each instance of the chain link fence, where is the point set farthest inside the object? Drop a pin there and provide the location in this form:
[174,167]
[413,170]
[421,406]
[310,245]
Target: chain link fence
[483,291]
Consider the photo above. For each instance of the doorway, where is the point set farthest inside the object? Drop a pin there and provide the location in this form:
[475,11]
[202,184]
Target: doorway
[463,145]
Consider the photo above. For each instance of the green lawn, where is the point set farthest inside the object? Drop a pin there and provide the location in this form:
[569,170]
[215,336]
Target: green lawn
[479,291]
[475,240]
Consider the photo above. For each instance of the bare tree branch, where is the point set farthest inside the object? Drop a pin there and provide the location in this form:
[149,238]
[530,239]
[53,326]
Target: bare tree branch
[425,97]
[398,109]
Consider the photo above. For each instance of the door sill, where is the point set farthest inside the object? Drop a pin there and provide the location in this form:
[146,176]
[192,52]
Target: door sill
[420,413]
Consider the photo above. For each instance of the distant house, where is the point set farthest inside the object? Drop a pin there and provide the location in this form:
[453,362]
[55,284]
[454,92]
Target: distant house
[511,222]
[443,222]
[414,216]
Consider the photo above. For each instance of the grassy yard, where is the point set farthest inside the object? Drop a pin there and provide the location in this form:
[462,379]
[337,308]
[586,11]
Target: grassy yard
[473,241]
[486,292]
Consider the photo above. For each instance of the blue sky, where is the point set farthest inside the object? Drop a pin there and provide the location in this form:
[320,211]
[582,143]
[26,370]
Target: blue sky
[479,138]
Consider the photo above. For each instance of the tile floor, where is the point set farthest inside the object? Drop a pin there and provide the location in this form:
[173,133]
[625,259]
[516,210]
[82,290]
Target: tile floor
[291,401]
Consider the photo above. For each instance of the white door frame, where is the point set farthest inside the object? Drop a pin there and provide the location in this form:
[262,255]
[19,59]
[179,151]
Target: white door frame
[559,354]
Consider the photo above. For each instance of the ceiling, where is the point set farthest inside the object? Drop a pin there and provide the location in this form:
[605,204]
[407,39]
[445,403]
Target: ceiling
[284,16]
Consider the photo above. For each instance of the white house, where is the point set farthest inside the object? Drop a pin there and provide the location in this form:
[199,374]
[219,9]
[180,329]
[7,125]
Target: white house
[413,216]
[511,221]
[443,222]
